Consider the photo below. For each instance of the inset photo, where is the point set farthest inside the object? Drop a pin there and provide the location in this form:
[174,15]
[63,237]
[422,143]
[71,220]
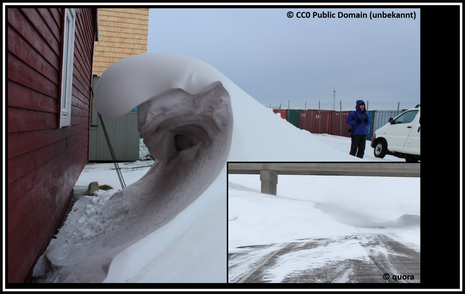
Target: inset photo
[322,222]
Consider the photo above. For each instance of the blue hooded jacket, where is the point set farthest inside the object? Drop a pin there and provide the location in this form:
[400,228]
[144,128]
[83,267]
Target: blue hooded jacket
[359,128]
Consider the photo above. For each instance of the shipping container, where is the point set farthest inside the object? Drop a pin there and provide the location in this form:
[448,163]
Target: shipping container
[332,122]
[339,126]
[325,121]
[381,117]
[370,127]
[282,112]
[315,121]
[293,116]
[307,120]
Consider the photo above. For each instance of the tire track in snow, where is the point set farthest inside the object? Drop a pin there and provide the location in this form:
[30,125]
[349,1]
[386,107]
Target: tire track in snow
[379,254]
[393,258]
[258,267]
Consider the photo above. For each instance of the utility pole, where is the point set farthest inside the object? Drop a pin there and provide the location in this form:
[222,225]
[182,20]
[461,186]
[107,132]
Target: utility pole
[334,98]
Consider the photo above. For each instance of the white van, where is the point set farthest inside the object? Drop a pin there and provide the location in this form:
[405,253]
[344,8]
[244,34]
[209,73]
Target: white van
[400,137]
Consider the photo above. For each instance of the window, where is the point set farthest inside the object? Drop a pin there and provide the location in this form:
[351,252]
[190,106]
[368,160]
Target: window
[407,117]
[67,67]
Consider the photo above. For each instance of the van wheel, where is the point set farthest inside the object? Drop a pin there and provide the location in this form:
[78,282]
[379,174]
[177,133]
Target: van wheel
[380,149]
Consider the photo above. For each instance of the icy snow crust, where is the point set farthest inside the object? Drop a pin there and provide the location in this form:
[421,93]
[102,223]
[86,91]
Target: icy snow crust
[173,220]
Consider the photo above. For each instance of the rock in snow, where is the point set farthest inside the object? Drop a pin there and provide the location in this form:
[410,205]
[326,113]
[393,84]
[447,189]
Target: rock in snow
[170,226]
[93,186]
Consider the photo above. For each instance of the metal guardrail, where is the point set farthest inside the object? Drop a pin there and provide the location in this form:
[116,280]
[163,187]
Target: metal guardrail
[269,171]
[367,169]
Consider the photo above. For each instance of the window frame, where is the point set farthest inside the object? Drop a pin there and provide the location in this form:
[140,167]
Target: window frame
[67,66]
[399,119]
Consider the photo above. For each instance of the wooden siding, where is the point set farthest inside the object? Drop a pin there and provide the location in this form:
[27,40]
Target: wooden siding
[44,161]
[122,32]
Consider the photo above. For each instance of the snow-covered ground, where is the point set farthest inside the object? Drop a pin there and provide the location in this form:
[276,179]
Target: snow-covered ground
[190,245]
[298,194]
[343,144]
[345,212]
[318,206]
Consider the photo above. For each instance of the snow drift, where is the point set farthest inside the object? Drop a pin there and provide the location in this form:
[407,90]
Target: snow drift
[186,121]
[185,113]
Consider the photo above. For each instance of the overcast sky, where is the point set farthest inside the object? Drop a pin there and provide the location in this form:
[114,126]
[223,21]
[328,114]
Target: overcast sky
[275,58]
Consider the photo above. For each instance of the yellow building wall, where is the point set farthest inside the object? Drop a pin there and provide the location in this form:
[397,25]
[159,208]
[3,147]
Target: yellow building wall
[122,32]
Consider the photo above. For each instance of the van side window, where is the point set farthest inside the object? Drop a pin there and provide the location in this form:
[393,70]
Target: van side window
[407,117]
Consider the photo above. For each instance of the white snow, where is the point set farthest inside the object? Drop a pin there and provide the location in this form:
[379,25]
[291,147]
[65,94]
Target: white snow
[343,144]
[169,255]
[315,207]
[183,238]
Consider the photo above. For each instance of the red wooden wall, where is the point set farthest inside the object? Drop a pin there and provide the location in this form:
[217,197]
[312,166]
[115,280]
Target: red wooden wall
[44,161]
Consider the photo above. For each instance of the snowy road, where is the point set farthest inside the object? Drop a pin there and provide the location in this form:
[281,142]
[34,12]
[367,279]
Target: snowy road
[323,229]
[376,258]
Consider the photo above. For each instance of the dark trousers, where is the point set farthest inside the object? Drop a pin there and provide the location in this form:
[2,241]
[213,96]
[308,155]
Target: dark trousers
[358,145]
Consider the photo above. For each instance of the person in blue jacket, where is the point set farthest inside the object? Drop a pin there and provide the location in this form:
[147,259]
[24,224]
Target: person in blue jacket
[359,121]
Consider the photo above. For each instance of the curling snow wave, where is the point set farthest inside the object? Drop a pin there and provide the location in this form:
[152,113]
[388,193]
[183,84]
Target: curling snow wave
[170,226]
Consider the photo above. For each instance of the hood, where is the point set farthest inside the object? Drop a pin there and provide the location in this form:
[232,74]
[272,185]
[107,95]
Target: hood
[358,104]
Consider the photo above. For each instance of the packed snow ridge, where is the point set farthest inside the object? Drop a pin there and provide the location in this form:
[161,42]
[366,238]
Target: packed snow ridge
[193,120]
